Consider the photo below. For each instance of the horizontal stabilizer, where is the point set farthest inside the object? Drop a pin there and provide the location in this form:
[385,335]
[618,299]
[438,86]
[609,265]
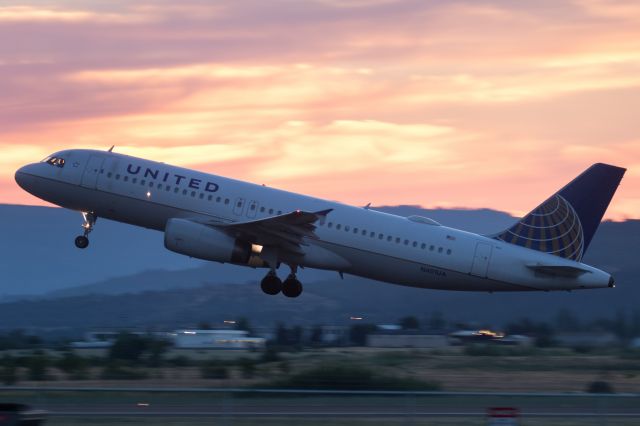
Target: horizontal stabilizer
[559,270]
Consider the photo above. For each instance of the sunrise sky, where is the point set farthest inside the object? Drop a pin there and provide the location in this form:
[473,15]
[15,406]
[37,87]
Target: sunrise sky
[438,103]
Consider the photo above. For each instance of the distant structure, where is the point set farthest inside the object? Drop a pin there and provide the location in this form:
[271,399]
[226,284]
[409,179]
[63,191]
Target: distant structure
[181,339]
[467,337]
[97,340]
[394,337]
[215,339]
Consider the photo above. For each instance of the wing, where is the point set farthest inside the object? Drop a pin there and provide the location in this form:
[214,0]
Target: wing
[286,232]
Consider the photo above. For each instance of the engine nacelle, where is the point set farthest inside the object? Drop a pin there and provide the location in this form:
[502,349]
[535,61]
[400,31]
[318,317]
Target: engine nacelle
[204,242]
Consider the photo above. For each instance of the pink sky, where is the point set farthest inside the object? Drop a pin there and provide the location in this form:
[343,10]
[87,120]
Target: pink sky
[463,103]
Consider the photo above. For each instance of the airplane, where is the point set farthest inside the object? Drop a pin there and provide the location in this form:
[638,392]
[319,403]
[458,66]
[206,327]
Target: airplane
[219,219]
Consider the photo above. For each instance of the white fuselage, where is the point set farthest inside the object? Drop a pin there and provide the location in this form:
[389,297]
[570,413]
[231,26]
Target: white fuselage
[407,251]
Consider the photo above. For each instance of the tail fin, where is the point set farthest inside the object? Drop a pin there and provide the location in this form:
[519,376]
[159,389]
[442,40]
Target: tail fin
[565,223]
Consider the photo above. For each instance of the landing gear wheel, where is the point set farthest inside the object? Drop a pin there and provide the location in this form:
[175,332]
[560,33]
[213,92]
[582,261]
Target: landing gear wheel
[271,284]
[82,242]
[292,287]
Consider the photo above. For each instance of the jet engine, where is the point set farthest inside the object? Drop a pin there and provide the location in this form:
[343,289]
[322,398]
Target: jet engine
[205,242]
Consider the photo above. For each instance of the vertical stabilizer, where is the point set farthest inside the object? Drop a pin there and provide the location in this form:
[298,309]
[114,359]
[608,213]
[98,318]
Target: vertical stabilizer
[565,223]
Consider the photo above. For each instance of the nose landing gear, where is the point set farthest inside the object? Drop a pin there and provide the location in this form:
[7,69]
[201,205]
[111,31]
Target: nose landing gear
[82,241]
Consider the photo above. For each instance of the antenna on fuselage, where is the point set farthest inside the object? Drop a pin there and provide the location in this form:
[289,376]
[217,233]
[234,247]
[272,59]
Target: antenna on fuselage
[367,206]
[111,149]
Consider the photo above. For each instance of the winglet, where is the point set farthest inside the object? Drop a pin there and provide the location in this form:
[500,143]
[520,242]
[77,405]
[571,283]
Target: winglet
[111,149]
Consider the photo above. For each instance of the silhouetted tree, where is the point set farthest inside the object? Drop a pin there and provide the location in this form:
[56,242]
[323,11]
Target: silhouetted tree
[316,335]
[409,323]
[437,321]
[76,367]
[358,333]
[128,347]
[8,371]
[242,323]
[540,331]
[566,321]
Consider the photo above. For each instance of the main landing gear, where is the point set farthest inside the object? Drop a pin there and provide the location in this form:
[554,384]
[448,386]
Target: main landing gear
[82,241]
[272,285]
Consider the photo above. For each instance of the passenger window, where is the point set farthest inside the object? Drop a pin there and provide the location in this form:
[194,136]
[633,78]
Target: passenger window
[270,211]
[142,182]
[117,177]
[193,193]
[422,246]
[364,232]
[372,234]
[355,230]
[218,199]
[431,247]
[167,188]
[184,192]
[406,242]
[109,175]
[126,178]
[226,201]
[201,195]
[330,225]
[176,190]
[389,238]
[347,228]
[279,212]
[159,186]
[415,244]
[210,197]
[134,180]
[439,249]
[150,184]
[449,251]
[338,226]
[397,240]
[380,236]
[262,209]
[252,207]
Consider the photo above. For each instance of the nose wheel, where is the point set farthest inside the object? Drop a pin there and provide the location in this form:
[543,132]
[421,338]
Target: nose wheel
[82,241]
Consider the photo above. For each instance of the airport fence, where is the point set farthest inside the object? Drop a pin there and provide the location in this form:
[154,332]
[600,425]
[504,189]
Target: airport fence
[265,407]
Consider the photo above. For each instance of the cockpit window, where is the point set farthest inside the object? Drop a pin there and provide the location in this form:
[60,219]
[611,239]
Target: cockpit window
[54,161]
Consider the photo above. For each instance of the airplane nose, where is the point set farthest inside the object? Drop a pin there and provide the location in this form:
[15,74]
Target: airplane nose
[24,177]
[612,282]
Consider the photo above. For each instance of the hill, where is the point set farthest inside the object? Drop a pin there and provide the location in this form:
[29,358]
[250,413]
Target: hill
[215,292]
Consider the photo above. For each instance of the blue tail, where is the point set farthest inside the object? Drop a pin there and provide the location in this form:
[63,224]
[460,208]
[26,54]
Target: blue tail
[565,223]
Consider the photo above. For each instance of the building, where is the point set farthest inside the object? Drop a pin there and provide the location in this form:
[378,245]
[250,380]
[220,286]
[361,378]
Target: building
[215,339]
[406,339]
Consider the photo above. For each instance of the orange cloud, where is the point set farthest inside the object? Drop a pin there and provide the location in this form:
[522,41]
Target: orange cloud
[465,104]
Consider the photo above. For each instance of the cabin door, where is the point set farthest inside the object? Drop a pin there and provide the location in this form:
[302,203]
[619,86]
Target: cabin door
[91,172]
[481,260]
